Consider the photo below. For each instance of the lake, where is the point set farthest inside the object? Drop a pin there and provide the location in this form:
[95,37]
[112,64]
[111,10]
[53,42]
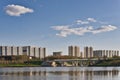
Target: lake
[60,73]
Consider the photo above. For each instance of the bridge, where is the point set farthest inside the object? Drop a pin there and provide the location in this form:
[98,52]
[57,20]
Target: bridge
[76,62]
[73,62]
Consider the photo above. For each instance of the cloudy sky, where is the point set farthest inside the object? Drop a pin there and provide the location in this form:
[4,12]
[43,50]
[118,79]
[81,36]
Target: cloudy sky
[57,24]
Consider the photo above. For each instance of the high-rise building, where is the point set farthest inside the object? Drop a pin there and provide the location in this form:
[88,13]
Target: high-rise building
[107,53]
[91,51]
[77,51]
[13,50]
[19,51]
[2,51]
[30,51]
[74,51]
[88,52]
[71,51]
[8,50]
[34,51]
[44,52]
[57,53]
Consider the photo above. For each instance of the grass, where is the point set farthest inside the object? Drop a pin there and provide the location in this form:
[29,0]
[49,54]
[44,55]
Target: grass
[25,64]
[18,65]
[111,62]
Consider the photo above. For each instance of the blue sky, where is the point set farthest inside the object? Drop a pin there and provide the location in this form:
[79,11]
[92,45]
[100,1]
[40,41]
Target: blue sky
[56,24]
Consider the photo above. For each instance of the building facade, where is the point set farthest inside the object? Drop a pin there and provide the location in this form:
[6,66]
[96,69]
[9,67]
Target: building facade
[88,52]
[8,50]
[57,53]
[30,51]
[107,53]
[74,51]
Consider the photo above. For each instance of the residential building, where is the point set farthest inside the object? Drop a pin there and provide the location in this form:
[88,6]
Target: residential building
[107,53]
[88,52]
[74,51]
[57,53]
[37,52]
[30,51]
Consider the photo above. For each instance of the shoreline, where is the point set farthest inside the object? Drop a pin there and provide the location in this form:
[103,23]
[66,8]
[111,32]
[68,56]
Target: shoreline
[56,66]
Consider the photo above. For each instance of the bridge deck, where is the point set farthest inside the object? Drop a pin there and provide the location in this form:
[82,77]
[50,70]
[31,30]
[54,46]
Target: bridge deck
[75,59]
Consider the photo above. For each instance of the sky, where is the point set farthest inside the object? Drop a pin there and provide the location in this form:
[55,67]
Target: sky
[57,24]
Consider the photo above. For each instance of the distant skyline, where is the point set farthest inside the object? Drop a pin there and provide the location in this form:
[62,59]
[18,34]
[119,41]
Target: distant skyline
[57,24]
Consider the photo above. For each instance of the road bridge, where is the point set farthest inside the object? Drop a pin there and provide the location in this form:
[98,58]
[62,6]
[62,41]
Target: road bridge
[76,62]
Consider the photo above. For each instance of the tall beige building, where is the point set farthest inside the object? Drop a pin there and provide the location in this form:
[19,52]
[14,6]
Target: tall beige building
[44,52]
[74,51]
[19,50]
[107,53]
[70,50]
[57,53]
[88,52]
[30,51]
[34,51]
[8,50]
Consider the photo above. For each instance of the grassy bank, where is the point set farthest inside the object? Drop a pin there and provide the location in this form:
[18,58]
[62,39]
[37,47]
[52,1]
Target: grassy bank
[25,64]
[18,65]
[109,62]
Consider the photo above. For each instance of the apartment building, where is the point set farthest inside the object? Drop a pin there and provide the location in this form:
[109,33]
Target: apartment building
[74,51]
[107,53]
[30,51]
[88,52]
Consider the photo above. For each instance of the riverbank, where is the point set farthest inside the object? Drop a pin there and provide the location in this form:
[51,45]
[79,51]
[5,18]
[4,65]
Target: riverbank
[37,63]
[23,64]
[108,63]
[18,65]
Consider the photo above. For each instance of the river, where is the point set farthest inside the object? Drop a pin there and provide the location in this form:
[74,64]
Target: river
[60,73]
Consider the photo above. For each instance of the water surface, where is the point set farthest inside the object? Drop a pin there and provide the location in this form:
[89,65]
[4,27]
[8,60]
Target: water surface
[60,73]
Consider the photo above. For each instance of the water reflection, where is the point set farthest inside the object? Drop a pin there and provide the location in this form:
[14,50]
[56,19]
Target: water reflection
[88,75]
[26,73]
[70,73]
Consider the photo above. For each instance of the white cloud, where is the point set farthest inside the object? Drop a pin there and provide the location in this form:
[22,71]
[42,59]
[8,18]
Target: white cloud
[60,27]
[63,34]
[104,29]
[86,27]
[88,21]
[91,20]
[82,22]
[65,30]
[17,10]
